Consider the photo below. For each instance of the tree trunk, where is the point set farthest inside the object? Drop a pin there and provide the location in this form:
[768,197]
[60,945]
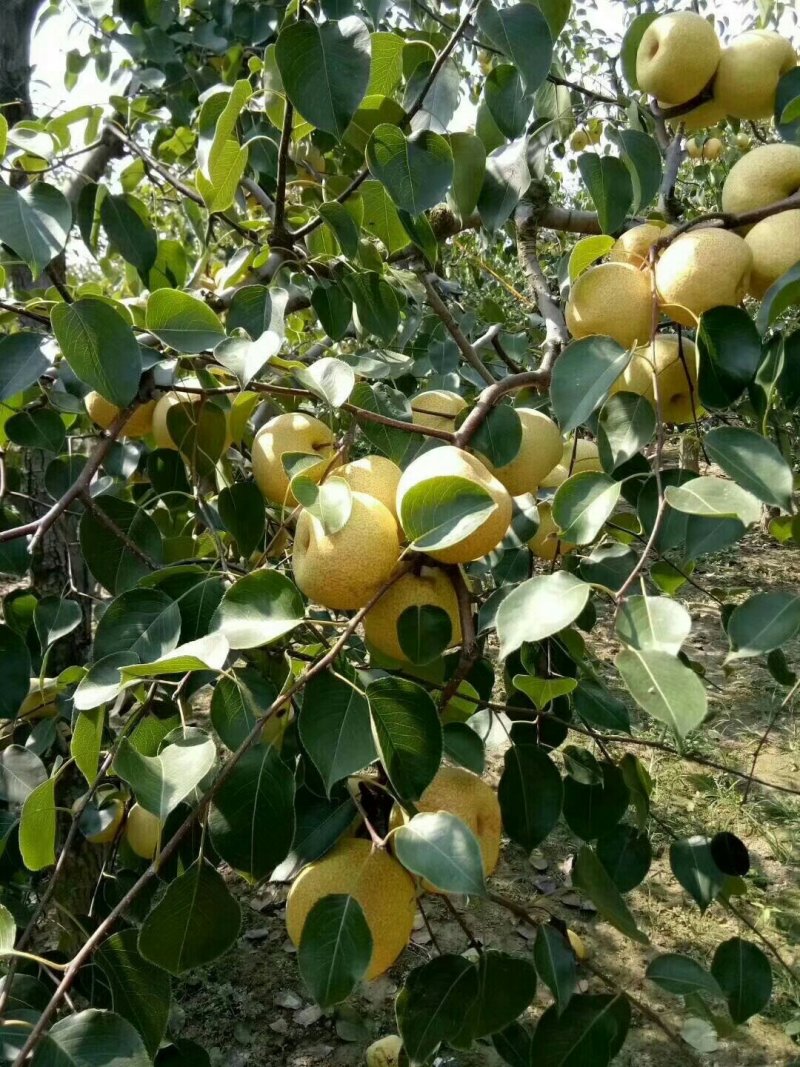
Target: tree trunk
[15,53]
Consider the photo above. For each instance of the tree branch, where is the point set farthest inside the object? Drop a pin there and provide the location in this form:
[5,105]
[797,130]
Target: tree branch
[452,327]
[556,333]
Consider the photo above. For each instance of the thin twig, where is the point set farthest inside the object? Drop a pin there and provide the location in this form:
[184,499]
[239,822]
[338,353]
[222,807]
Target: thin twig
[763,739]
[470,649]
[467,350]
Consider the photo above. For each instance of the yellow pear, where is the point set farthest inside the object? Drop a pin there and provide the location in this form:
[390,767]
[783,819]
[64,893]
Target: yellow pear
[437,409]
[775,244]
[702,269]
[708,151]
[587,458]
[449,461]
[163,406]
[374,475]
[612,299]
[769,173]
[381,886]
[677,392]
[103,413]
[539,451]
[344,570]
[707,114]
[749,71]
[287,433]
[469,798]
[116,812]
[143,832]
[41,701]
[634,245]
[431,585]
[743,142]
[579,139]
[677,57]
[385,1052]
[546,539]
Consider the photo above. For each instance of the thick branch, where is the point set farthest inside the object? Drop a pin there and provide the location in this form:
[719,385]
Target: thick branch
[556,333]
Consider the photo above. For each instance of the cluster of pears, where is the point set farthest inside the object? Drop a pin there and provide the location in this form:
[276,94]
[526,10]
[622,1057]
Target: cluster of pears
[385,890]
[680,57]
[148,420]
[700,269]
[343,570]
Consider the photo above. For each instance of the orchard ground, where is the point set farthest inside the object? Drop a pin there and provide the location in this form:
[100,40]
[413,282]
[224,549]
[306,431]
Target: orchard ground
[251,1006]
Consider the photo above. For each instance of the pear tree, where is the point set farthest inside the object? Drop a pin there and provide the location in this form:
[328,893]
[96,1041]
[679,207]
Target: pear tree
[368,371]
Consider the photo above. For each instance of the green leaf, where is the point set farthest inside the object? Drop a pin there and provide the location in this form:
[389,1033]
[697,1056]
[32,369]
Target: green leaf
[421,233]
[257,310]
[21,772]
[463,746]
[506,987]
[664,688]
[161,782]
[630,46]
[100,347]
[508,100]
[8,930]
[54,618]
[714,498]
[693,865]
[140,992]
[588,1033]
[433,1003]
[92,1038]
[600,708]
[443,511]
[753,462]
[586,252]
[246,358]
[16,661]
[763,622]
[642,158]
[539,608]
[344,226]
[469,166]
[744,976]
[653,622]
[424,632]
[335,728]
[238,700]
[542,691]
[252,816]
[335,949]
[522,33]
[407,732]
[593,810]
[386,68]
[39,428]
[730,353]
[145,622]
[440,848]
[582,376]
[583,504]
[394,405]
[506,180]
[608,182]
[499,437]
[195,922]
[530,794]
[332,380]
[182,321]
[590,876]
[514,1045]
[325,70]
[334,309]
[218,195]
[207,653]
[101,683]
[124,219]
[681,975]
[37,827]
[416,171]
[376,303]
[85,745]
[34,223]
[555,963]
[381,218]
[258,609]
[241,508]
[786,94]
[22,362]
[3,135]
[625,425]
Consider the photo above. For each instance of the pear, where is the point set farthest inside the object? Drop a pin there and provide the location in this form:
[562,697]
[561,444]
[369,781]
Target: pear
[381,886]
[707,114]
[164,405]
[143,831]
[437,409]
[775,244]
[769,173]
[634,245]
[587,458]
[344,570]
[579,140]
[677,57]
[432,586]
[449,461]
[612,299]
[706,152]
[677,378]
[702,269]
[749,71]
[103,413]
[385,1052]
[546,539]
[287,433]
[539,451]
[374,475]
